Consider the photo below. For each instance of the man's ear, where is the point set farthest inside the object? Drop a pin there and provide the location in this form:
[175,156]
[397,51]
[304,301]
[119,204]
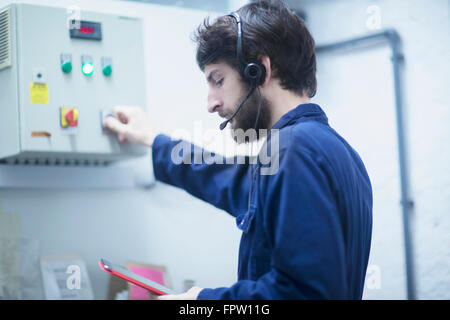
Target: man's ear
[265,61]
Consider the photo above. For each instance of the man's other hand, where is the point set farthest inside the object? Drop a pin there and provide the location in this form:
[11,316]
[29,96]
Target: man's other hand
[191,294]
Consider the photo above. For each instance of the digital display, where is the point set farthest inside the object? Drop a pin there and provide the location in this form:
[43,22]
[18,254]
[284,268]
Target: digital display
[86,30]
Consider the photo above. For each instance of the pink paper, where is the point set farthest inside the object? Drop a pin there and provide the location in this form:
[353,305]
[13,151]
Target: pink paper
[139,293]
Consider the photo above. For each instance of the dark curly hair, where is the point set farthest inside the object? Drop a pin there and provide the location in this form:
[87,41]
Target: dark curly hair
[269,29]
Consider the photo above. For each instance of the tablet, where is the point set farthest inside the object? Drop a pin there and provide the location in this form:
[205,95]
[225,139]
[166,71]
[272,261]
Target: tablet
[132,277]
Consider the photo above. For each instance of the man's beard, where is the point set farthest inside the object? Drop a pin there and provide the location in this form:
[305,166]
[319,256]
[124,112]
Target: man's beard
[243,124]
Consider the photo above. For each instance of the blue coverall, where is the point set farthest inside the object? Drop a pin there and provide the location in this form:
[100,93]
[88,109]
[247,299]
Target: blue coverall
[307,234]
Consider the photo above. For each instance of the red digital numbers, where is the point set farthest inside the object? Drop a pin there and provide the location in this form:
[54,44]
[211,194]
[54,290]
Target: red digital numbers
[87,30]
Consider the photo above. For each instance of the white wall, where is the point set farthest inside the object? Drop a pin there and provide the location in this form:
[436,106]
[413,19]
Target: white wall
[163,225]
[356,91]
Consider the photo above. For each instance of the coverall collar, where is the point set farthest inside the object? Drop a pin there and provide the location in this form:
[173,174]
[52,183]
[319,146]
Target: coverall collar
[301,111]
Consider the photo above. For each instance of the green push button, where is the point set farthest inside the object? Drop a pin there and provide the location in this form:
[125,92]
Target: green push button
[107,70]
[87,69]
[66,66]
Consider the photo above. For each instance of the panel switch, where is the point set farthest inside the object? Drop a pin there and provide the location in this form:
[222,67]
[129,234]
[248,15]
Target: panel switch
[103,115]
[69,117]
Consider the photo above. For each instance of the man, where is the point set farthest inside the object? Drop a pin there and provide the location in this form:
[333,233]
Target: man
[306,226]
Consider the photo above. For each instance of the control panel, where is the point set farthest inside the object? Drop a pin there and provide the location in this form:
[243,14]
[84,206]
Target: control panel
[59,77]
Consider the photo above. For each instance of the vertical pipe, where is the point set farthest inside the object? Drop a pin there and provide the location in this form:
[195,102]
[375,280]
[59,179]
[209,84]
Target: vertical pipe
[406,202]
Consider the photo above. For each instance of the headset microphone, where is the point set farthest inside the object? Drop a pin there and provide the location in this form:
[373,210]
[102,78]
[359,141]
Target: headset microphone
[224,124]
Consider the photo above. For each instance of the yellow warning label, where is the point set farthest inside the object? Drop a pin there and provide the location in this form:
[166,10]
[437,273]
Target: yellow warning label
[39,93]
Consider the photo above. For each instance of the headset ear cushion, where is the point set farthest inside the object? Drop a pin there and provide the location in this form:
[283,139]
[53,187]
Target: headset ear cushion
[255,73]
[262,78]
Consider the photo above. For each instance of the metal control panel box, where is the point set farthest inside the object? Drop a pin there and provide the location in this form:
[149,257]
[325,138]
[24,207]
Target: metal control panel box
[59,77]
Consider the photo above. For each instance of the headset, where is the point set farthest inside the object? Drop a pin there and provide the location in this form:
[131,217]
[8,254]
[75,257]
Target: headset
[254,72]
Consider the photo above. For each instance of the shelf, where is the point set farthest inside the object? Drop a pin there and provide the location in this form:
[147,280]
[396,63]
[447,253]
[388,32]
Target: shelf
[39,176]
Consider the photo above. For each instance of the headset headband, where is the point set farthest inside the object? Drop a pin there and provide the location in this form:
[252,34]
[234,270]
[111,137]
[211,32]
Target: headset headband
[254,72]
[240,56]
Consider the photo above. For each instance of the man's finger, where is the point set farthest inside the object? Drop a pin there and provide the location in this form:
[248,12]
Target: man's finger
[122,112]
[115,125]
[152,296]
[122,138]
